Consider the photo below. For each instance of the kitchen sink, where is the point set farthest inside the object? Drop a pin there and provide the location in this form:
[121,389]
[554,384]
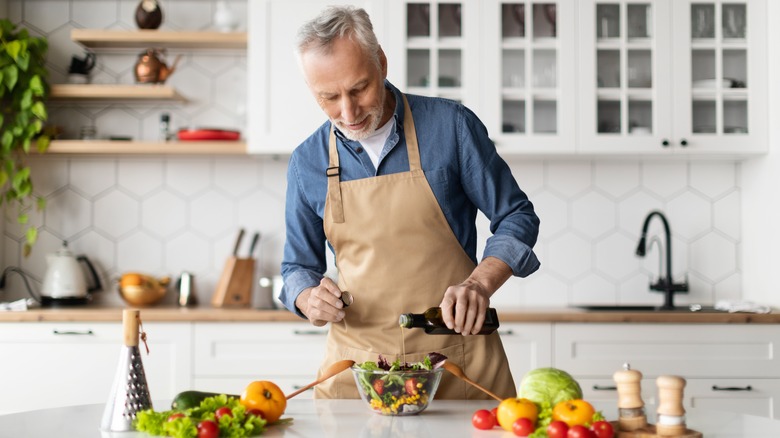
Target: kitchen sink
[693,308]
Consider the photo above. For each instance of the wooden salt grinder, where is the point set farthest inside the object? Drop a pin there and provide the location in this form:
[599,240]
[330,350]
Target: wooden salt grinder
[631,412]
[671,413]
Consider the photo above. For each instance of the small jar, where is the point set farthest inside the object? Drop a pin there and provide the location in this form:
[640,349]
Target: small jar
[165,127]
[88,132]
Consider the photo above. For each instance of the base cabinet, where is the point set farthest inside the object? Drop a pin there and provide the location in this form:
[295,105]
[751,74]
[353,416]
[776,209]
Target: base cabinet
[228,356]
[47,365]
[727,367]
[527,346]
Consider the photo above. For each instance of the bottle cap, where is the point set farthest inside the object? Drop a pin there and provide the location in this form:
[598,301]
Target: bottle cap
[405,320]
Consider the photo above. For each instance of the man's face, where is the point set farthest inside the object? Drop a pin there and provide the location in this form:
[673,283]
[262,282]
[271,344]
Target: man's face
[348,86]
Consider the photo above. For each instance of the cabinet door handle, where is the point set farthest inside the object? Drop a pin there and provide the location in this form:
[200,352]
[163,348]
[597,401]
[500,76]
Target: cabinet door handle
[665,143]
[732,388]
[509,332]
[604,388]
[73,332]
[310,332]
[297,387]
[683,142]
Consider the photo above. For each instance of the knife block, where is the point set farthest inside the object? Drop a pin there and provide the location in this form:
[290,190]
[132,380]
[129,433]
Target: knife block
[234,288]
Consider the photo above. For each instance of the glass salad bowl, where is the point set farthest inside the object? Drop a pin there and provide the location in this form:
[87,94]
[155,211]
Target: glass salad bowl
[399,390]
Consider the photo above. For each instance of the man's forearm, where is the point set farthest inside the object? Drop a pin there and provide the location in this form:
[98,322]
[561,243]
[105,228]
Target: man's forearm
[491,273]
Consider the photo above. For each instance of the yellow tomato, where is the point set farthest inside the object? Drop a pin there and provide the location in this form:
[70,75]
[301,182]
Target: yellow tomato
[510,409]
[266,397]
[573,412]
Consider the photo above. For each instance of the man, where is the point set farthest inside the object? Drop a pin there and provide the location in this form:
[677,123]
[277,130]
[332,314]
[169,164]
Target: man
[392,183]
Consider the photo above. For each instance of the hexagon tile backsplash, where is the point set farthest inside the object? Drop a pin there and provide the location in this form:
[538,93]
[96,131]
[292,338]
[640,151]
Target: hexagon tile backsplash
[165,215]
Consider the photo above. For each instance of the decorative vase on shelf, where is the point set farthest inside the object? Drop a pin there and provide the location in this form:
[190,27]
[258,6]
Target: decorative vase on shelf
[148,14]
[224,20]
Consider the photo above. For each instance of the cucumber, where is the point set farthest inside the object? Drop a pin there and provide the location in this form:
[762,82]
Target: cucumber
[191,399]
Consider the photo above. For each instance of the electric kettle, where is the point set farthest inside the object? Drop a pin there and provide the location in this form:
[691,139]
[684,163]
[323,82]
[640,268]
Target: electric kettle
[64,282]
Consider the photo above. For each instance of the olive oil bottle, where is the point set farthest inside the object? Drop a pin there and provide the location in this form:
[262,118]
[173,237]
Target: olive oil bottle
[432,322]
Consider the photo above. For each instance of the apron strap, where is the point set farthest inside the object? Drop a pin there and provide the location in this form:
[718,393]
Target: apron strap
[334,171]
[412,150]
[334,178]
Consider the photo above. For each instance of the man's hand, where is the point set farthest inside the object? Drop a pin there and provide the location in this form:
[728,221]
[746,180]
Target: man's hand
[464,305]
[321,304]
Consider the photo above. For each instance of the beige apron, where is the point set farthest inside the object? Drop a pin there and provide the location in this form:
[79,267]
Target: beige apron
[397,254]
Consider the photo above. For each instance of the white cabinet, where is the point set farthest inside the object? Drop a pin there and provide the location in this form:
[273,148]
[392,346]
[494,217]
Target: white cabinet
[732,367]
[48,365]
[281,110]
[669,76]
[527,346]
[527,82]
[510,62]
[228,356]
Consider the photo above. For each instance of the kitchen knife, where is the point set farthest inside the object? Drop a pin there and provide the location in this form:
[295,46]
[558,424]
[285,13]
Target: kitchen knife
[238,242]
[253,245]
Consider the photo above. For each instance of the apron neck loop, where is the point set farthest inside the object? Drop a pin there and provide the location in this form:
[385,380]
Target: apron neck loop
[334,178]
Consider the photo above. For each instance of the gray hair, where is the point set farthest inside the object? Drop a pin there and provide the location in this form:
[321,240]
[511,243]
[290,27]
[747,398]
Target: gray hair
[338,22]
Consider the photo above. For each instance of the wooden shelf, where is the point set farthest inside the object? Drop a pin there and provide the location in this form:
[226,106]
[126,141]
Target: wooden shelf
[114,92]
[105,147]
[142,39]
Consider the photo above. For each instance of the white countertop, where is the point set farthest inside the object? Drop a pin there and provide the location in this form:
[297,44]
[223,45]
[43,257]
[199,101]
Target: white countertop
[351,418]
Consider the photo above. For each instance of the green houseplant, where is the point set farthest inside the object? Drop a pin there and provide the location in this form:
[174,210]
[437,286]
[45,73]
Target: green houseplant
[23,94]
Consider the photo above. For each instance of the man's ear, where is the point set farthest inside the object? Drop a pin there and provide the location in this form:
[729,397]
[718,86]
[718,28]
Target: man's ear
[383,62]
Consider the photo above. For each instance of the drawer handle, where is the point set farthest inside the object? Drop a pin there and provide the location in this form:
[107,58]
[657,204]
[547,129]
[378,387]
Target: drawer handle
[604,388]
[310,332]
[297,387]
[732,388]
[74,332]
[509,332]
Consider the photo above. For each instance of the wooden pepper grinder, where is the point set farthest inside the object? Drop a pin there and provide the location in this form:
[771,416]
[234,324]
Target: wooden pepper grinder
[631,411]
[671,414]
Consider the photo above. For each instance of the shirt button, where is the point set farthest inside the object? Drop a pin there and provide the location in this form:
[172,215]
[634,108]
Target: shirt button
[359,149]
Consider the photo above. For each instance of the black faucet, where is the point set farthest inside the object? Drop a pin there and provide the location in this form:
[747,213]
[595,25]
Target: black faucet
[665,285]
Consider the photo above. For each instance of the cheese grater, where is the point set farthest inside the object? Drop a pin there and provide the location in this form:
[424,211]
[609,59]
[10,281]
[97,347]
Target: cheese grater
[130,392]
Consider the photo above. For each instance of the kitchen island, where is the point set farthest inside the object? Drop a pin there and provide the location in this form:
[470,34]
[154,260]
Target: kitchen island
[351,418]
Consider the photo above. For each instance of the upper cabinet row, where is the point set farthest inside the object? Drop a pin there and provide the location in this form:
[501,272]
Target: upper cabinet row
[546,77]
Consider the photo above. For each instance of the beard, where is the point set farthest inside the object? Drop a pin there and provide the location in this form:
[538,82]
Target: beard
[374,116]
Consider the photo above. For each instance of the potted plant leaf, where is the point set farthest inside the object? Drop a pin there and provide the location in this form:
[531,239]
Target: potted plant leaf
[23,94]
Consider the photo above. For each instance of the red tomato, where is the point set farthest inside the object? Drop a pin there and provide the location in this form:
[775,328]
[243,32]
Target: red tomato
[523,427]
[557,429]
[175,416]
[221,412]
[603,429]
[256,413]
[580,431]
[483,419]
[494,411]
[208,429]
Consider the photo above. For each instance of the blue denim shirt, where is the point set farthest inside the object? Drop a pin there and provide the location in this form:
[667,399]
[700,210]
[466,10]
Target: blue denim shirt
[461,165]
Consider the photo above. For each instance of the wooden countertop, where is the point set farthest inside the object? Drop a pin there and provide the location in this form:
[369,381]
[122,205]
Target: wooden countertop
[520,315]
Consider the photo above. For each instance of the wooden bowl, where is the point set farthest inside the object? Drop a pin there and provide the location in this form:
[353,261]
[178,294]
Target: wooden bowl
[142,295]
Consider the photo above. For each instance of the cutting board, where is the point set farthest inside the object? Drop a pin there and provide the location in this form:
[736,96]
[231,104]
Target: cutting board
[649,432]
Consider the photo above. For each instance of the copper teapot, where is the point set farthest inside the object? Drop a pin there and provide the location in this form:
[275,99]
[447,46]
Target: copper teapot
[150,69]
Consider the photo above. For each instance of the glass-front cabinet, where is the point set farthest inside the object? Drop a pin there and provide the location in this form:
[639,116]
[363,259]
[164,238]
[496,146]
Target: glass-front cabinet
[681,76]
[437,44]
[527,69]
[511,62]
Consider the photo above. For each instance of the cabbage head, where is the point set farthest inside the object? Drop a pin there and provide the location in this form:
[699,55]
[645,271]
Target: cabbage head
[549,385]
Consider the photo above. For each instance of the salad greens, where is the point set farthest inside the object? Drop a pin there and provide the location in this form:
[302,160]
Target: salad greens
[238,425]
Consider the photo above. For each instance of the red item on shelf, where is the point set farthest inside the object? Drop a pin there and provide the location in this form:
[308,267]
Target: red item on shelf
[208,134]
